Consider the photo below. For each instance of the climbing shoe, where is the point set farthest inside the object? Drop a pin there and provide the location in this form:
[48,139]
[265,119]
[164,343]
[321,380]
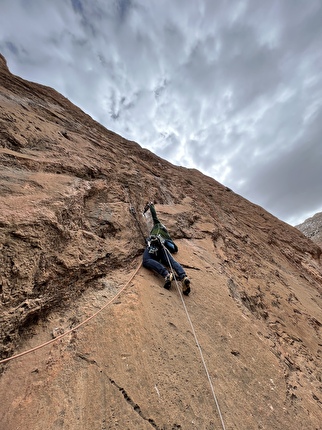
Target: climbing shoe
[185,286]
[168,279]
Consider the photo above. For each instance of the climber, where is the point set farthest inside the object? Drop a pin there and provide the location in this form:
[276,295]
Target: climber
[159,229]
[157,257]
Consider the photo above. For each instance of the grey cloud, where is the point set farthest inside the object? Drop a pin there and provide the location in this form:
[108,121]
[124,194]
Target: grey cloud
[168,145]
[77,5]
[291,181]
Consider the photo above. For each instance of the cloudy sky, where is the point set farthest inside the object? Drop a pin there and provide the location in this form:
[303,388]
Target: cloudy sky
[230,87]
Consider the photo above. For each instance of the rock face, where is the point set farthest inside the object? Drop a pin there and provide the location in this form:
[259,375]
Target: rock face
[243,351]
[312,228]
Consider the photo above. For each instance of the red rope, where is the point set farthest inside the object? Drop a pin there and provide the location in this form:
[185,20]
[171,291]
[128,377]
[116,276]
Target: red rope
[75,328]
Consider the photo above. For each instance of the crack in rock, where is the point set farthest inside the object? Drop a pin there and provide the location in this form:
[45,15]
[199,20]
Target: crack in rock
[88,360]
[134,405]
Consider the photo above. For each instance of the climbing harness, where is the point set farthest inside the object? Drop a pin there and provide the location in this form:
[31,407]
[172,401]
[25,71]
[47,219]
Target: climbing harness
[75,328]
[196,340]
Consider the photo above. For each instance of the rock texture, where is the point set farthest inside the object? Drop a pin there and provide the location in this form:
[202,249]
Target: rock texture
[69,244]
[312,228]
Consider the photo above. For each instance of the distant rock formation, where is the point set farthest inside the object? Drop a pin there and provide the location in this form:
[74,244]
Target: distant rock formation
[312,228]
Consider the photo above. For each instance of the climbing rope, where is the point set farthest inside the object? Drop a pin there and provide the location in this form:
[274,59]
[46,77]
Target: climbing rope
[76,327]
[133,212]
[196,339]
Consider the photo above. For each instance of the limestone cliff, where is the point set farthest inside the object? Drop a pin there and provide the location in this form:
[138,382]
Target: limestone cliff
[69,244]
[312,228]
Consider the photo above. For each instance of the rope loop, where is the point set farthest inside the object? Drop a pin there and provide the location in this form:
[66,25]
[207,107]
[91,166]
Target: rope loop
[76,327]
